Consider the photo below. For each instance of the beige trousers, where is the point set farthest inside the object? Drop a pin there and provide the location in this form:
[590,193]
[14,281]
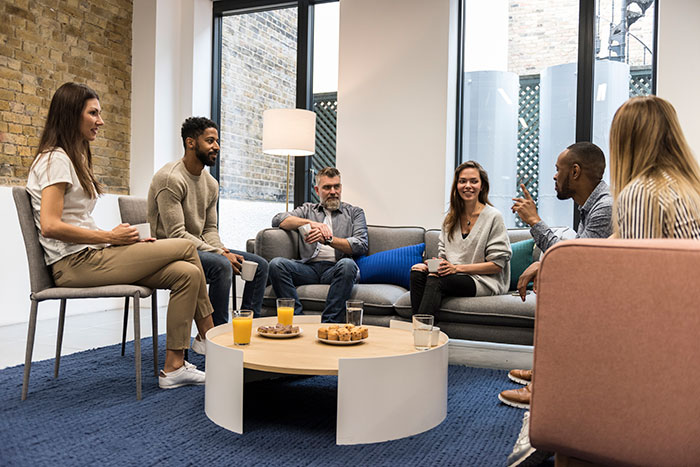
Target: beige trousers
[164,264]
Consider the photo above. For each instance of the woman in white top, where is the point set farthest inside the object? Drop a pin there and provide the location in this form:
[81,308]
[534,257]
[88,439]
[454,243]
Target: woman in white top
[655,178]
[64,191]
[473,246]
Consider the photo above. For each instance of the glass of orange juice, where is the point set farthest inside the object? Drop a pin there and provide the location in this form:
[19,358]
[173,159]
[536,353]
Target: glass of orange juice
[242,327]
[285,310]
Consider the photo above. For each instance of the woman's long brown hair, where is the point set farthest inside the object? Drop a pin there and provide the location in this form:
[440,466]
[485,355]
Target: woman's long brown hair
[62,130]
[456,201]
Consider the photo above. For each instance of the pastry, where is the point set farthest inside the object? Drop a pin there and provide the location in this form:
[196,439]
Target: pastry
[323,332]
[355,335]
[332,334]
[343,335]
[365,332]
[333,327]
[349,326]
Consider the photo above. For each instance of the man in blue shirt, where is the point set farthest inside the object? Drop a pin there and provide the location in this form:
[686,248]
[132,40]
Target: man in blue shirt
[333,234]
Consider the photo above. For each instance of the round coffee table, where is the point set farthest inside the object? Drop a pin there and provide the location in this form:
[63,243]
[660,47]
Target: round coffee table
[402,391]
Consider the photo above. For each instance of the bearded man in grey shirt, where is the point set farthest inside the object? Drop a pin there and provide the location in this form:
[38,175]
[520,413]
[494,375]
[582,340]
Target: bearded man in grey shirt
[333,234]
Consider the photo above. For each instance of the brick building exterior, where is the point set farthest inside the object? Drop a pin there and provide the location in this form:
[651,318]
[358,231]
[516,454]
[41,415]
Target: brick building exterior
[542,33]
[258,73]
[45,43]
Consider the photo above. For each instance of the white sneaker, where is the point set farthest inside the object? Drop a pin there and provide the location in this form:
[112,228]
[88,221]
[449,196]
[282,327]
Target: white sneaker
[198,346]
[186,374]
[524,455]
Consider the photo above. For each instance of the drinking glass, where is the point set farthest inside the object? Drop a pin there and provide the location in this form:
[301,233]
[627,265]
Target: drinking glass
[422,331]
[285,311]
[242,327]
[354,309]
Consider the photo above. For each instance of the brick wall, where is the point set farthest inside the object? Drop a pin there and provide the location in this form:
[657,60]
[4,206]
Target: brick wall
[258,73]
[45,43]
[542,33]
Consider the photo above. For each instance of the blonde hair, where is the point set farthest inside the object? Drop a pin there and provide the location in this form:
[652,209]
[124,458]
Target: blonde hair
[647,143]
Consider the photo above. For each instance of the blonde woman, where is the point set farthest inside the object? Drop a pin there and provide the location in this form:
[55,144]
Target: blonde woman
[655,178]
[473,246]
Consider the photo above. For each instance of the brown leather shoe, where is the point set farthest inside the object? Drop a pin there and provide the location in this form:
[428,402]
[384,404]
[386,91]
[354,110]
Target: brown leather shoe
[520,376]
[519,398]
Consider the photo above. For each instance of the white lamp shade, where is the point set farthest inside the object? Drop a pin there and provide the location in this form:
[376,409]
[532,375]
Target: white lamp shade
[289,132]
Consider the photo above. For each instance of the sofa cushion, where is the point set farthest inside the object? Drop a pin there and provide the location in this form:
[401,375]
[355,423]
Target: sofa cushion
[382,238]
[271,243]
[390,266]
[379,298]
[521,259]
[505,310]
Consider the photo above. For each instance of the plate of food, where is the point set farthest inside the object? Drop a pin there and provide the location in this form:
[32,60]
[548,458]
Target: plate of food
[343,334]
[280,331]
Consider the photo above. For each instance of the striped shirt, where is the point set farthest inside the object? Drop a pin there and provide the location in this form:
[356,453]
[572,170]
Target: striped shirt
[635,207]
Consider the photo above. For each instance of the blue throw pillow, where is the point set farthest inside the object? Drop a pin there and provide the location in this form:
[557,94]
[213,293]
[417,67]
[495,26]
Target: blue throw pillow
[390,266]
[521,259]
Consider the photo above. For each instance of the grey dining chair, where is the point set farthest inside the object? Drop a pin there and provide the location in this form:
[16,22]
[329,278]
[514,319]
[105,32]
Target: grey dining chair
[134,210]
[43,288]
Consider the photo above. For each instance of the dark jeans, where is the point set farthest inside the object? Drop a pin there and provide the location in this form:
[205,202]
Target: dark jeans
[427,291]
[287,274]
[219,274]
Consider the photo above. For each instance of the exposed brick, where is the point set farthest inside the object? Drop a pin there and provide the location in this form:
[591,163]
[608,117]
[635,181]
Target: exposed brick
[45,43]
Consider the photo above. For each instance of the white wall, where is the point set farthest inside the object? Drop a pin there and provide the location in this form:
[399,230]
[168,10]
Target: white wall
[396,108]
[678,63]
[171,80]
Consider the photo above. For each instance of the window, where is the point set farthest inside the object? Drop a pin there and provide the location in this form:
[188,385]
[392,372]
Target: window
[261,62]
[521,84]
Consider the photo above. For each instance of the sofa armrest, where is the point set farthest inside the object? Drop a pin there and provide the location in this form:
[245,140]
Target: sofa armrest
[616,347]
[250,245]
[273,242]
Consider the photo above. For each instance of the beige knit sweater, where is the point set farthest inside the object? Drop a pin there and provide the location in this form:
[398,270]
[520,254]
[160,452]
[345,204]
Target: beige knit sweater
[182,205]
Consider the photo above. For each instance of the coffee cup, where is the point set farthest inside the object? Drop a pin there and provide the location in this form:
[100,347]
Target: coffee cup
[144,230]
[248,270]
[433,264]
[304,230]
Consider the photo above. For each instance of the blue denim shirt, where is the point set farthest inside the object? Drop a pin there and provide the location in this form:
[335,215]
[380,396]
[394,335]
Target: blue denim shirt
[348,223]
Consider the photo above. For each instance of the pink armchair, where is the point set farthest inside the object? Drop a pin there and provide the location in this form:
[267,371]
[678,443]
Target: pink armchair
[617,353]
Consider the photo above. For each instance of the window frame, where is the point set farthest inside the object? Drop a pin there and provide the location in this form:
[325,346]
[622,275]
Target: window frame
[303,183]
[584,83]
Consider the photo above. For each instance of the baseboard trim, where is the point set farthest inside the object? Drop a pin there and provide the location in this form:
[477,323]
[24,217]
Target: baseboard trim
[490,354]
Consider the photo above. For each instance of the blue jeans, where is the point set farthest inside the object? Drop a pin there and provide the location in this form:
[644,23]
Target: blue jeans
[219,274]
[286,274]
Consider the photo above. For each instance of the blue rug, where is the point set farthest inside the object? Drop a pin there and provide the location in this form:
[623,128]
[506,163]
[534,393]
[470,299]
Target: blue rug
[90,416]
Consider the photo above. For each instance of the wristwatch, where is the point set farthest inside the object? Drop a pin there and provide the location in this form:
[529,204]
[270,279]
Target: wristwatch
[329,240]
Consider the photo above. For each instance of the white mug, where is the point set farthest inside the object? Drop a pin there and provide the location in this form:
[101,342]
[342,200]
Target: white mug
[248,270]
[144,230]
[433,264]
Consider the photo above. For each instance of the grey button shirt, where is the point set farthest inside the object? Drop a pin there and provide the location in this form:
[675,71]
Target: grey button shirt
[348,223]
[596,219]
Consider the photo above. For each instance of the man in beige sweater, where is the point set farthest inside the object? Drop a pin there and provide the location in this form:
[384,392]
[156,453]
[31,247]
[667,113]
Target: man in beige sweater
[182,204]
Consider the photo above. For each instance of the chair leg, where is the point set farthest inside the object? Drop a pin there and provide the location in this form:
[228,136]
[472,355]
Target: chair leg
[59,336]
[137,345]
[126,323]
[154,328]
[31,331]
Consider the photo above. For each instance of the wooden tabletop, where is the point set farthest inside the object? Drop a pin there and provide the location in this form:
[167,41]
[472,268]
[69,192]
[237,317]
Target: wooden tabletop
[305,355]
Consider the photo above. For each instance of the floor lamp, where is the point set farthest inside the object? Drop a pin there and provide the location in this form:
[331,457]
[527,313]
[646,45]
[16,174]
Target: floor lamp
[289,132]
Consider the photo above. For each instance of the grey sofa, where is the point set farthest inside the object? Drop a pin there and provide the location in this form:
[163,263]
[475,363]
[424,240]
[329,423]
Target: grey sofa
[502,318]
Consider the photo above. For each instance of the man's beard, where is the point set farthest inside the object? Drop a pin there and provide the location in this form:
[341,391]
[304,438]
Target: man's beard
[204,157]
[331,204]
[565,192]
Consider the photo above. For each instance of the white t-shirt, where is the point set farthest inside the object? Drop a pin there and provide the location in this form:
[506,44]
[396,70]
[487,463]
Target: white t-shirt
[56,167]
[325,252]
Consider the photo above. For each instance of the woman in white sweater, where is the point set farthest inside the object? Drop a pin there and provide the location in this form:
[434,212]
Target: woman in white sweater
[473,246]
